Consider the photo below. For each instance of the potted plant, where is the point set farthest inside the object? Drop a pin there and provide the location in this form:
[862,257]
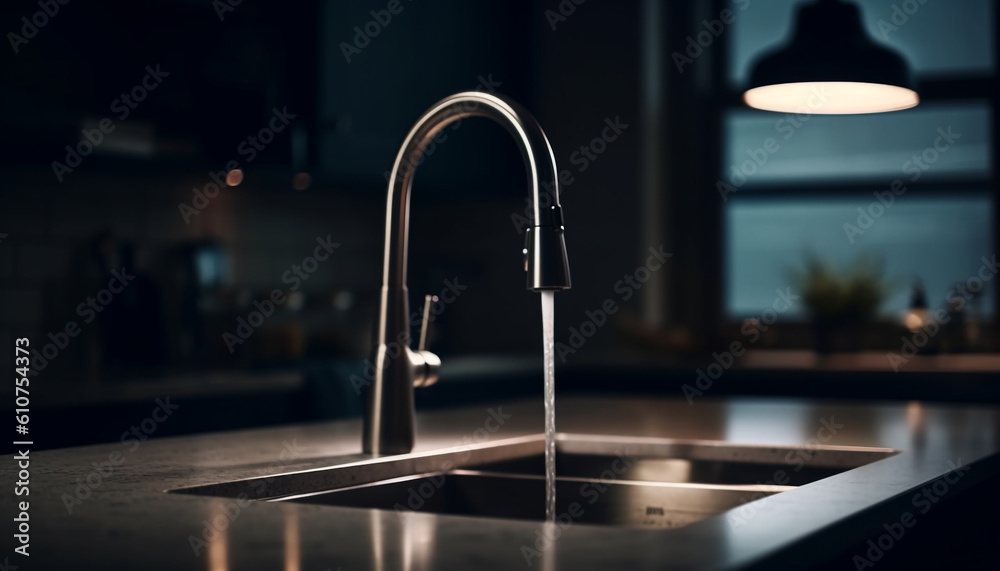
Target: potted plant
[841,301]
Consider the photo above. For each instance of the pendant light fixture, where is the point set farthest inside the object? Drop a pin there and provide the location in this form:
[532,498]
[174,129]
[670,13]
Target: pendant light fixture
[831,66]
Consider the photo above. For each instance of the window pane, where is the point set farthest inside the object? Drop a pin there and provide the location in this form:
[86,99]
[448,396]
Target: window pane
[938,39]
[940,239]
[842,147]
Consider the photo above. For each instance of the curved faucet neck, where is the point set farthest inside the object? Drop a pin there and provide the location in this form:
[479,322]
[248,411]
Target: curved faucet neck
[542,173]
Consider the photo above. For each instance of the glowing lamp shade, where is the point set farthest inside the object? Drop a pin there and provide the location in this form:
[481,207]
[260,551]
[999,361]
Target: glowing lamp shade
[831,67]
[831,97]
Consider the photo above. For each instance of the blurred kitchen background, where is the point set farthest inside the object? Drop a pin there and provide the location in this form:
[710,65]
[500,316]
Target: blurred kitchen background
[242,138]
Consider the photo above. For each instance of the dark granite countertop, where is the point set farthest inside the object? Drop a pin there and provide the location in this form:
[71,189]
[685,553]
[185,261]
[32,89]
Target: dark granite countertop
[104,507]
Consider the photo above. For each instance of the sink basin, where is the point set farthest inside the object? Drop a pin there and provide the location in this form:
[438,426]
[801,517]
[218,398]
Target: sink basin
[703,462]
[590,501]
[639,482]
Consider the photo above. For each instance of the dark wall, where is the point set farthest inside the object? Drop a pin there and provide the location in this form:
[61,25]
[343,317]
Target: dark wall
[139,198]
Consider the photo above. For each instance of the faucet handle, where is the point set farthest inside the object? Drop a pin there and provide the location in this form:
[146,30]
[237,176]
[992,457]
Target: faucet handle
[428,363]
[425,323]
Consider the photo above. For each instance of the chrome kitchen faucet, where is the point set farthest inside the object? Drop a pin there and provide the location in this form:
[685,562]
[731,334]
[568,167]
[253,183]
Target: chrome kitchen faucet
[389,412]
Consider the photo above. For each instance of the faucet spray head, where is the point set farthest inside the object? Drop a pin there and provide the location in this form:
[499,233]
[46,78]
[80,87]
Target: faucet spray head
[545,257]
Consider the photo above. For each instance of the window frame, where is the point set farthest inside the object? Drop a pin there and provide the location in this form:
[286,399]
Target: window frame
[984,89]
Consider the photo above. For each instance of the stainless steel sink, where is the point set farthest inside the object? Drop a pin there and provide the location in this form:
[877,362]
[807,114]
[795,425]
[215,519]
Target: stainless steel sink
[687,461]
[642,482]
[583,500]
